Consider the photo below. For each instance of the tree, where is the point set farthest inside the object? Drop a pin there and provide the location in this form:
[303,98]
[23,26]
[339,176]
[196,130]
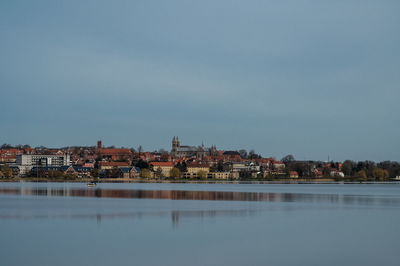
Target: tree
[220,166]
[6,146]
[94,173]
[202,174]
[116,172]
[55,174]
[288,159]
[392,167]
[380,174]
[243,153]
[159,172]
[145,173]
[326,171]
[175,173]
[367,166]
[7,171]
[142,164]
[348,167]
[140,149]
[362,175]
[253,155]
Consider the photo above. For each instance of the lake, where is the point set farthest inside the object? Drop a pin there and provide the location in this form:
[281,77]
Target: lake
[199,224]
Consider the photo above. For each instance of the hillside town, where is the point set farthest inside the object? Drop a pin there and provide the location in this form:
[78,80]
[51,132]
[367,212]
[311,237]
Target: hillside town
[182,162]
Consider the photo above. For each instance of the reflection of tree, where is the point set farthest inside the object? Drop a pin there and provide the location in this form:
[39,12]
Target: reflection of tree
[175,218]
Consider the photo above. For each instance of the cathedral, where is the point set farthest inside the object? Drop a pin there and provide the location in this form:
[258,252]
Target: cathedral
[179,150]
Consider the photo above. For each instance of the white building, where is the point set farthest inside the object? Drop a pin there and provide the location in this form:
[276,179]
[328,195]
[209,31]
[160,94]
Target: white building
[26,162]
[248,166]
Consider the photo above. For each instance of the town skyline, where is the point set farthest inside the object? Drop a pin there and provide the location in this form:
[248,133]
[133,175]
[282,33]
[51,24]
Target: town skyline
[182,162]
[168,148]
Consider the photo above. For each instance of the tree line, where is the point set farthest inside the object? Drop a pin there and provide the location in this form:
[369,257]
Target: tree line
[362,170]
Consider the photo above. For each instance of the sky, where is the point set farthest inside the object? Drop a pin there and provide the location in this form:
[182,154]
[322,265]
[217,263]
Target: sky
[308,78]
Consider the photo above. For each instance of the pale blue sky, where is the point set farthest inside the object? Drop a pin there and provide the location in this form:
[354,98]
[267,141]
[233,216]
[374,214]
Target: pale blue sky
[308,78]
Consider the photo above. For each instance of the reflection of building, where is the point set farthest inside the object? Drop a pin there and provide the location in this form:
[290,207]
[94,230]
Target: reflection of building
[26,162]
[179,150]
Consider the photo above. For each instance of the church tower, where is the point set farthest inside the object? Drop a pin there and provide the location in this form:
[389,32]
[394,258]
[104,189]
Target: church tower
[175,144]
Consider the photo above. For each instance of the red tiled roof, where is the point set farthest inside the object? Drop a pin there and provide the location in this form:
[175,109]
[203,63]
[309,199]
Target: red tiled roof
[12,151]
[115,151]
[162,163]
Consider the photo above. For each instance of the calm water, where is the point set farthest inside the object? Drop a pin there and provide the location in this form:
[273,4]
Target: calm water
[199,224]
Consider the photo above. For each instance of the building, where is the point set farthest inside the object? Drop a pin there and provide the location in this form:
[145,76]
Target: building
[111,165]
[223,175]
[83,171]
[293,174]
[165,167]
[278,165]
[242,166]
[115,154]
[26,162]
[9,155]
[179,150]
[130,172]
[193,170]
[336,173]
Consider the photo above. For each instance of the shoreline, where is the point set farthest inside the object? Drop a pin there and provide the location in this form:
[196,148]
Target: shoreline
[180,181]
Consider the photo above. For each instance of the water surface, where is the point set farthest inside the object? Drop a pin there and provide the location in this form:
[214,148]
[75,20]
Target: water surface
[199,224]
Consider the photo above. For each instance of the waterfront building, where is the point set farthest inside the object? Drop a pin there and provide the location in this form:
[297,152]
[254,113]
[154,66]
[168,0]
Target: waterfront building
[293,174]
[223,175]
[193,170]
[129,172]
[165,167]
[26,162]
[82,171]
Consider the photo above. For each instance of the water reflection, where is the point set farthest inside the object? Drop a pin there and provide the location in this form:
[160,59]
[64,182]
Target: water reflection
[205,195]
[175,215]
